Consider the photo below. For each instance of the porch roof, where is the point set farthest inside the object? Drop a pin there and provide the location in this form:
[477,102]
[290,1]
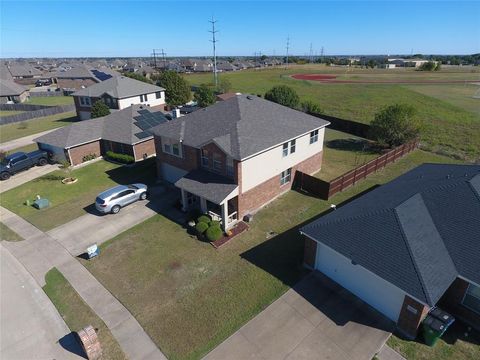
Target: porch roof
[208,185]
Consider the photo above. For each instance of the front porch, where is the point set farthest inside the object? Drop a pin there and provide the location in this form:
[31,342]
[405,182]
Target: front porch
[212,194]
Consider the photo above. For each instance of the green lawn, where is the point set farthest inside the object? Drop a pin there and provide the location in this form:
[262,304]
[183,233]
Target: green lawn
[26,148]
[449,128]
[188,296]
[71,201]
[343,152]
[77,314]
[7,234]
[50,100]
[453,345]
[9,112]
[17,130]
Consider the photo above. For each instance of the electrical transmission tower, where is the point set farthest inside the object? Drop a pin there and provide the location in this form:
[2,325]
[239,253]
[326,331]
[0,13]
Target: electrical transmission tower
[288,47]
[311,53]
[155,53]
[214,41]
[321,54]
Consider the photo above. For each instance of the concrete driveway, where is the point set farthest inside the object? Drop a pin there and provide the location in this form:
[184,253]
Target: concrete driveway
[317,319]
[23,141]
[30,326]
[26,176]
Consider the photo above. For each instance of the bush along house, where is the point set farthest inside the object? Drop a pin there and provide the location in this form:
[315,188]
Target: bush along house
[235,156]
[123,135]
[118,92]
[408,246]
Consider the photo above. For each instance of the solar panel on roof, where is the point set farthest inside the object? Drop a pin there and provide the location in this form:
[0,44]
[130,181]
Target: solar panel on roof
[143,134]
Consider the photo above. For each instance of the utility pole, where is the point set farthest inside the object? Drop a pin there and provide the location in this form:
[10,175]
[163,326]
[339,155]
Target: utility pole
[164,59]
[154,59]
[311,53]
[321,54]
[288,47]
[214,41]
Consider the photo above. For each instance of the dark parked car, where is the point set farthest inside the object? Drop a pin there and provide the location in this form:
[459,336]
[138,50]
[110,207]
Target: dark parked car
[20,161]
[43,82]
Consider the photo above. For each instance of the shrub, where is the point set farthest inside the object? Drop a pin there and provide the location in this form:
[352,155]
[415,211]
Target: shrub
[99,109]
[309,106]
[205,219]
[215,223]
[283,95]
[204,96]
[201,227]
[122,158]
[214,233]
[89,157]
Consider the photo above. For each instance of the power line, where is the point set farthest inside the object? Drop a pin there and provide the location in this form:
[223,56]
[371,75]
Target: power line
[214,41]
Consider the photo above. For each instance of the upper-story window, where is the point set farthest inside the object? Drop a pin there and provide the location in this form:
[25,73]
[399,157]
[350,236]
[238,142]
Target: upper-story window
[289,147]
[293,145]
[85,101]
[172,148]
[205,159]
[143,98]
[314,136]
[217,162]
[229,166]
[158,95]
[285,149]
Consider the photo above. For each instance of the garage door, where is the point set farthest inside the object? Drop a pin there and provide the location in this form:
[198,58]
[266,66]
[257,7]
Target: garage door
[375,291]
[171,173]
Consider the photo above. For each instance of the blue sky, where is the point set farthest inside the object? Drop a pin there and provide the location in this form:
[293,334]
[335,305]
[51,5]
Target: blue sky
[134,28]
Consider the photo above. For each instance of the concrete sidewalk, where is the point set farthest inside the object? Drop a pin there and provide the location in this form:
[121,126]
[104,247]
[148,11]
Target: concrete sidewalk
[26,176]
[30,326]
[387,353]
[39,253]
[23,141]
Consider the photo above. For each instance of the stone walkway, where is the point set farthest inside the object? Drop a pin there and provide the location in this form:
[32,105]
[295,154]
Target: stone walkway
[39,253]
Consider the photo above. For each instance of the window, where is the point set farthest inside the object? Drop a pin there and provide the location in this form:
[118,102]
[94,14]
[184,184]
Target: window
[143,98]
[158,95]
[205,160]
[171,147]
[314,136]
[217,162]
[285,149]
[472,298]
[85,101]
[292,146]
[167,148]
[285,176]
[19,158]
[176,149]
[230,171]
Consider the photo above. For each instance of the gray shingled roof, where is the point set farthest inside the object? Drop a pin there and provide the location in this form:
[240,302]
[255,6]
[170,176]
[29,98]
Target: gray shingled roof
[23,70]
[208,185]
[119,87]
[418,232]
[241,126]
[120,126]
[10,88]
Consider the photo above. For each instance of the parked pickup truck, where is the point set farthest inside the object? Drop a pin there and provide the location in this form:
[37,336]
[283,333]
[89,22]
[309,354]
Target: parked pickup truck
[20,161]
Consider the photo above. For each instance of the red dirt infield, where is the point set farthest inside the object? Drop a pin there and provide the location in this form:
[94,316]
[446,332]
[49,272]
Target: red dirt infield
[332,79]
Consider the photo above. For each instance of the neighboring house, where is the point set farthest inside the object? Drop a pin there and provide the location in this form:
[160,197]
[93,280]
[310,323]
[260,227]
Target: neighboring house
[23,71]
[12,92]
[117,93]
[81,76]
[226,66]
[407,246]
[235,156]
[126,132]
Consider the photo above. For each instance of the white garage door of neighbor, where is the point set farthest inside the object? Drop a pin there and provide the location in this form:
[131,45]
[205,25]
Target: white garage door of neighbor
[171,173]
[372,289]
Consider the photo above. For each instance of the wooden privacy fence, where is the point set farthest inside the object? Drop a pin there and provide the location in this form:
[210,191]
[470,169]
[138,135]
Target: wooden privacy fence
[326,189]
[32,114]
[46,93]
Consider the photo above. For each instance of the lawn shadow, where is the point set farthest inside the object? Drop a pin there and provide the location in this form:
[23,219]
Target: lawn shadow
[352,145]
[68,120]
[143,172]
[70,342]
[49,177]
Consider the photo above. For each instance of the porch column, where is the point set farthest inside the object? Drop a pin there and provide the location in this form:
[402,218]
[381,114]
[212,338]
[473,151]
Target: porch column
[184,200]
[225,215]
[203,205]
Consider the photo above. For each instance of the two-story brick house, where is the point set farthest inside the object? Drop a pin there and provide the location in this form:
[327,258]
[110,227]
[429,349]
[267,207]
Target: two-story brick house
[235,156]
[118,92]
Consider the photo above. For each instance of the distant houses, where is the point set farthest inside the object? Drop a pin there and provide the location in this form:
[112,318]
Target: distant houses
[81,76]
[11,92]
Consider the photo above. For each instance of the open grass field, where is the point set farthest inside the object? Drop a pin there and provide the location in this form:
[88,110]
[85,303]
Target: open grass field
[450,128]
[7,234]
[77,314]
[50,100]
[17,130]
[68,202]
[188,296]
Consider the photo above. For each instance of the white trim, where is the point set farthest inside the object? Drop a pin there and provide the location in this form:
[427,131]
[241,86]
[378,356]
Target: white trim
[469,281]
[74,146]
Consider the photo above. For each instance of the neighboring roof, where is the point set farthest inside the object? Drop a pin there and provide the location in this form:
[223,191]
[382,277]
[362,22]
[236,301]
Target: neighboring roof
[10,88]
[241,126]
[119,87]
[418,232]
[84,72]
[208,185]
[127,126]
[226,96]
[4,72]
[18,70]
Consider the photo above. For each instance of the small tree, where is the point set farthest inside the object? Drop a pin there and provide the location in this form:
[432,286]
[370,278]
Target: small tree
[283,95]
[395,125]
[204,96]
[309,106]
[439,66]
[224,86]
[99,109]
[428,66]
[177,90]
[66,167]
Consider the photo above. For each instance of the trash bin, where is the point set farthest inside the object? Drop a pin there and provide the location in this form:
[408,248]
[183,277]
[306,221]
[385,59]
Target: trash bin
[41,203]
[443,316]
[433,329]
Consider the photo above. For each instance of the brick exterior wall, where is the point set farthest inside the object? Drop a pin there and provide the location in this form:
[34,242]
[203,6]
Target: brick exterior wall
[451,302]
[260,195]
[408,321]
[79,107]
[309,253]
[77,153]
[189,161]
[146,147]
[214,149]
